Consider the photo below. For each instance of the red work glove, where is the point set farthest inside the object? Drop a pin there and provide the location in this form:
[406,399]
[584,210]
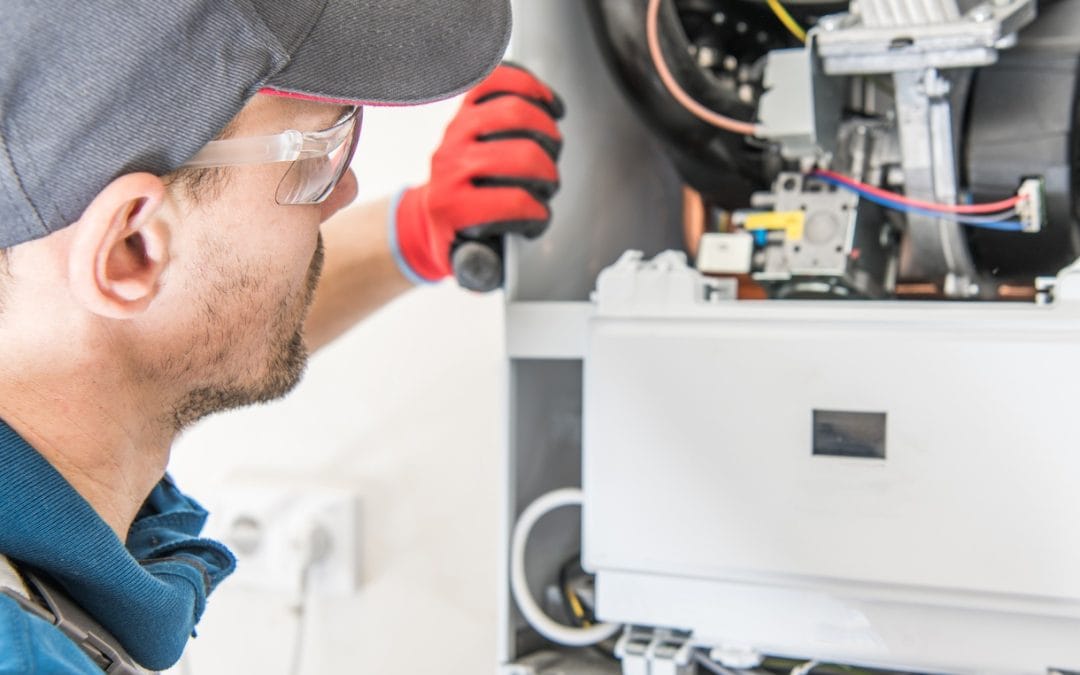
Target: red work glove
[493,174]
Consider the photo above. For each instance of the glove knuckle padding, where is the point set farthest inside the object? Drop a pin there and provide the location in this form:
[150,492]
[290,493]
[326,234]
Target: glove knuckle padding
[510,79]
[512,202]
[541,190]
[530,229]
[513,112]
[552,109]
[513,157]
[551,147]
[508,209]
[512,118]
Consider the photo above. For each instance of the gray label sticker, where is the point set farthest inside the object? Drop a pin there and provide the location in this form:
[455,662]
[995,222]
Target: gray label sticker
[849,434]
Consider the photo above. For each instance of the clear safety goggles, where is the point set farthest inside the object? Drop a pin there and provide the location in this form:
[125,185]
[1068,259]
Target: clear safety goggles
[319,158]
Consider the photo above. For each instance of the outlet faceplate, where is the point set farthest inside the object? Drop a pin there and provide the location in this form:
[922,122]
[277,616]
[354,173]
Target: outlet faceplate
[274,528]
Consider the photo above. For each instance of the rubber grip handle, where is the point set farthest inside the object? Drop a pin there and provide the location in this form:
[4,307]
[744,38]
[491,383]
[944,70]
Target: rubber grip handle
[478,263]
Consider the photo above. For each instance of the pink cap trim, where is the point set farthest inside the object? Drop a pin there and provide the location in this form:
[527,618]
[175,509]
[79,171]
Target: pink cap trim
[321,99]
[307,97]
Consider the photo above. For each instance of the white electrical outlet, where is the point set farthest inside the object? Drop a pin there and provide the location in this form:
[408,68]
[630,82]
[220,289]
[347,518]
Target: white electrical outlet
[277,529]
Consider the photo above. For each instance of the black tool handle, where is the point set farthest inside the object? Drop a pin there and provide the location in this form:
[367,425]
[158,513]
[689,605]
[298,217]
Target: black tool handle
[478,263]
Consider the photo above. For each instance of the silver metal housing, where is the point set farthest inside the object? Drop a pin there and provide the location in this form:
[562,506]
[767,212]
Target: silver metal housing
[887,36]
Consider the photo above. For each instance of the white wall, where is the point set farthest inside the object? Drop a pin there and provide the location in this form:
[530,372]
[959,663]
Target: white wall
[405,410]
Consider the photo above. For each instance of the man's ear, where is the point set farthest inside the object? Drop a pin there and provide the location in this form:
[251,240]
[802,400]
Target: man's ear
[120,247]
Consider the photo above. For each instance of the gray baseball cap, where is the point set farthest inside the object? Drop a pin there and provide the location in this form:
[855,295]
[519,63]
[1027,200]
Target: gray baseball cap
[94,89]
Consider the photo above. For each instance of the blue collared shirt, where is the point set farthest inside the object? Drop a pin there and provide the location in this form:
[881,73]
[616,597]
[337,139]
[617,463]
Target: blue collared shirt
[149,591]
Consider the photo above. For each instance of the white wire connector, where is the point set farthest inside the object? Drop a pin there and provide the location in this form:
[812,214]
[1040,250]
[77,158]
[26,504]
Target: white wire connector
[1032,207]
[519,587]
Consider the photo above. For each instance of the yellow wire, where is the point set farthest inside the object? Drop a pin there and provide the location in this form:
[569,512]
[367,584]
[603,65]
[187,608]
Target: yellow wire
[575,606]
[785,18]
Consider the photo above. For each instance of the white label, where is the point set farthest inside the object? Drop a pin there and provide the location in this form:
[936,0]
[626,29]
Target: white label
[725,252]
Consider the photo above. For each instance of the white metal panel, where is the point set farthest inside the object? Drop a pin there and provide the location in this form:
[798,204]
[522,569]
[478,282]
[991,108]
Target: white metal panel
[834,627]
[698,465]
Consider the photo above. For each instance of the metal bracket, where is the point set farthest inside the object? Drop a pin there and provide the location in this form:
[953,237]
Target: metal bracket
[935,247]
[887,36]
[647,651]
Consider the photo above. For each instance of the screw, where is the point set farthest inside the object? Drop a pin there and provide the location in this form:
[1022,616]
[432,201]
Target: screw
[707,56]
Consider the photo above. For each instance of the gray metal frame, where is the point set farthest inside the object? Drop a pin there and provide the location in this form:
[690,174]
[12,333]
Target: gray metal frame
[619,191]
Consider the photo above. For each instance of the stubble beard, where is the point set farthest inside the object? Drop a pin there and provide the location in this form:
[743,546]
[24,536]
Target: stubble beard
[287,362]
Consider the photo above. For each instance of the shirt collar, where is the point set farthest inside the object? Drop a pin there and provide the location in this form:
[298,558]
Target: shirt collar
[150,592]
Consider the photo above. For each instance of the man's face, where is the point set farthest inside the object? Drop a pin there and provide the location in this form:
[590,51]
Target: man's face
[244,274]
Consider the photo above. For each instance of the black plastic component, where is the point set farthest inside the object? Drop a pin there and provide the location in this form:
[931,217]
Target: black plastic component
[1023,121]
[719,164]
[478,264]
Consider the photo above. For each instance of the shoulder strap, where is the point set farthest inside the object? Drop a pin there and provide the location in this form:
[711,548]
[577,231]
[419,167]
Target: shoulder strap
[9,577]
[41,598]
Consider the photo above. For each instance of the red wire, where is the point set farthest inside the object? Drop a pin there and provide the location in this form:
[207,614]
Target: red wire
[652,36]
[991,207]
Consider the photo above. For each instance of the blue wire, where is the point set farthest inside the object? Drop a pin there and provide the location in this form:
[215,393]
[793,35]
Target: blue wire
[986,222]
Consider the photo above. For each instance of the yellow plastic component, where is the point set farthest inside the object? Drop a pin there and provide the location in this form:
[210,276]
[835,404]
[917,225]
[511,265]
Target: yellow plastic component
[792,222]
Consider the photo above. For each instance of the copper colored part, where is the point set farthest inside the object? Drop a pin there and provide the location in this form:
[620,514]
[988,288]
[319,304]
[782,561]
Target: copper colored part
[917,289]
[750,289]
[693,208]
[1016,292]
[723,222]
[694,225]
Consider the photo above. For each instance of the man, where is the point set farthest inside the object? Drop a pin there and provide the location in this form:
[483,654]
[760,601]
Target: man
[168,177]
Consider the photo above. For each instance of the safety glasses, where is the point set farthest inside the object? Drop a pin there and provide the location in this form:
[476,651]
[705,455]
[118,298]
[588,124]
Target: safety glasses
[319,158]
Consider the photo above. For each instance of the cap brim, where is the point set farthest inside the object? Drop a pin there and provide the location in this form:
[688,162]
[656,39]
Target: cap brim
[397,52]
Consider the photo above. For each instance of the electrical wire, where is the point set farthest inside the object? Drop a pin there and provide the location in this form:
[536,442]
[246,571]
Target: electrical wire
[712,666]
[652,35]
[990,207]
[519,586]
[577,608]
[301,612]
[571,601]
[805,668]
[789,21]
[315,541]
[997,221]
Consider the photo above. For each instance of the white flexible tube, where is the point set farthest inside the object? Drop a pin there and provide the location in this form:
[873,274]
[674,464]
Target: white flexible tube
[519,587]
